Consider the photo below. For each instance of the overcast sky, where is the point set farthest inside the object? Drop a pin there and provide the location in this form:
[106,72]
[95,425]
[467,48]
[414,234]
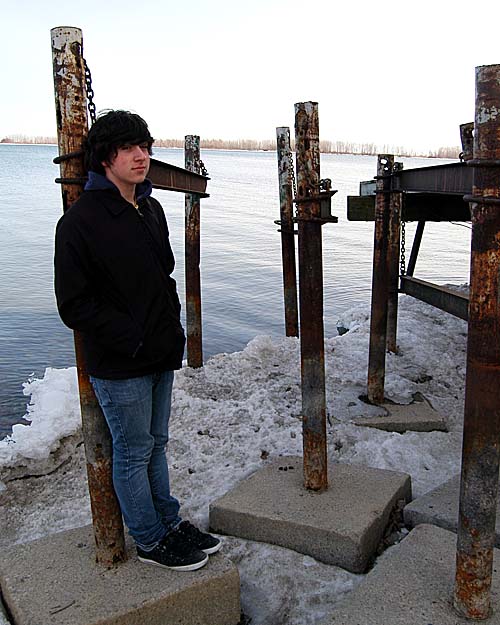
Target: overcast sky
[387,72]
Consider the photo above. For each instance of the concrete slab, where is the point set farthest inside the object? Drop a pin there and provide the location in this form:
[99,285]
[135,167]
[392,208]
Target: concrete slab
[419,416]
[440,507]
[55,581]
[341,526]
[412,584]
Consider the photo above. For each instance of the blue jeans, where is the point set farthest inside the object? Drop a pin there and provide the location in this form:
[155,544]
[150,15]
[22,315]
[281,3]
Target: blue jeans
[137,411]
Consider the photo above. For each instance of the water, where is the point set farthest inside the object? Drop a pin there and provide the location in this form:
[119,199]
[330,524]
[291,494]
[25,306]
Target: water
[240,256]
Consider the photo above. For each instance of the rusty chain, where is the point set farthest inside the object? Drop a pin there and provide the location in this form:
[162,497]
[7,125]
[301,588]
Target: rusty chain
[403,249]
[203,169]
[291,171]
[90,92]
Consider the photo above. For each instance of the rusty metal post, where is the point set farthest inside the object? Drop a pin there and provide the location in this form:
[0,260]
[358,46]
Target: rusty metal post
[287,231]
[311,296]
[396,205]
[70,99]
[380,281]
[192,258]
[481,438]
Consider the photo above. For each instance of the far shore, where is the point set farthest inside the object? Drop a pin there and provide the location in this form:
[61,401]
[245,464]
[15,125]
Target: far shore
[253,145]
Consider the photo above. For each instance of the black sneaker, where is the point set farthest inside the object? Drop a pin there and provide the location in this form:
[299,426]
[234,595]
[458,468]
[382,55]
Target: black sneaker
[199,540]
[174,552]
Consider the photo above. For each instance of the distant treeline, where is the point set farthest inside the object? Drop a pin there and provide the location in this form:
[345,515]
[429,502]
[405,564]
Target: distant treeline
[326,147]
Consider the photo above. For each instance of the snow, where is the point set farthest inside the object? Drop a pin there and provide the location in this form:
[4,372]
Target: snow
[233,414]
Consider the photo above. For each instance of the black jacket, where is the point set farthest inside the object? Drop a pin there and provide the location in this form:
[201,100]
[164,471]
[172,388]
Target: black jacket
[113,284]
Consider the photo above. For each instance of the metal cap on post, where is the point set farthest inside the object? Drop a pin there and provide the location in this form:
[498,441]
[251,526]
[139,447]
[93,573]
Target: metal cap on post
[71,114]
[480,455]
[312,348]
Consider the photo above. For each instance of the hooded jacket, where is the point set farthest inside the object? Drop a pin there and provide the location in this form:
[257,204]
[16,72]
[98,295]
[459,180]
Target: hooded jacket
[113,282]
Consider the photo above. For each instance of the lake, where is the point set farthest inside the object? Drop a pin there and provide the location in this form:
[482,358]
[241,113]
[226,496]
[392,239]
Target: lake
[240,255]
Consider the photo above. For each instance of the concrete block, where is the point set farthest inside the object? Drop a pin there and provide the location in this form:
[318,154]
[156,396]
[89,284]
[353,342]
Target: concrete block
[412,584]
[341,526]
[440,507]
[419,416]
[55,581]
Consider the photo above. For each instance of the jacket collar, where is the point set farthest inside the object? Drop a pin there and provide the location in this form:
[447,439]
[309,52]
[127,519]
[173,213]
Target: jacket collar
[98,182]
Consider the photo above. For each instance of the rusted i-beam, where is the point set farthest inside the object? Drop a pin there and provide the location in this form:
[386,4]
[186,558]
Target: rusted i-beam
[481,437]
[380,280]
[396,207]
[311,296]
[415,248]
[192,258]
[70,99]
[285,174]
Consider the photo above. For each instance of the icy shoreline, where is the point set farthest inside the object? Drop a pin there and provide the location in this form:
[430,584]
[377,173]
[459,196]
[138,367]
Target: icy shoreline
[233,414]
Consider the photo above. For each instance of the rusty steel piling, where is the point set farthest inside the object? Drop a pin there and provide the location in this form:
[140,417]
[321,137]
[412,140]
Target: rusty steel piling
[71,116]
[285,176]
[396,204]
[380,280]
[481,437]
[192,258]
[311,296]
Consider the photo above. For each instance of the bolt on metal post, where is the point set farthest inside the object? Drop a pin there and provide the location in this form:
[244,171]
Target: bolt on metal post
[312,348]
[287,231]
[380,280]
[481,436]
[71,115]
[192,258]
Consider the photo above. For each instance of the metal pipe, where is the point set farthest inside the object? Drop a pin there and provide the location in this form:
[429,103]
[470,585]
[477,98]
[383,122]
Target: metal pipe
[415,248]
[396,204]
[481,437]
[192,258]
[71,115]
[380,281]
[287,231]
[312,348]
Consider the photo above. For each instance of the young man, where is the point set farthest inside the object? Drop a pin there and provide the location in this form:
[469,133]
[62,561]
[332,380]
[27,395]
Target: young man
[113,262]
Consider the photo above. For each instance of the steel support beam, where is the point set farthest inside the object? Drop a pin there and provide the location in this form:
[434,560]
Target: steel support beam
[453,302]
[287,231]
[450,178]
[380,281]
[312,348]
[192,258]
[481,437]
[415,248]
[171,178]
[417,207]
[71,115]
[396,204]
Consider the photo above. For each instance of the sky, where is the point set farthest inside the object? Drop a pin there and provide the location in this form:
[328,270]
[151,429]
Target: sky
[389,73]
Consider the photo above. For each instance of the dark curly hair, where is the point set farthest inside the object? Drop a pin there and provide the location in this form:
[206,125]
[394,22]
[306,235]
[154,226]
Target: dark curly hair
[111,130]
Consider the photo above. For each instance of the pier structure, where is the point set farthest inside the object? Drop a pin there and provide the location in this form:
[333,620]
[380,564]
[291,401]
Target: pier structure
[464,191]
[336,513]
